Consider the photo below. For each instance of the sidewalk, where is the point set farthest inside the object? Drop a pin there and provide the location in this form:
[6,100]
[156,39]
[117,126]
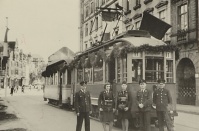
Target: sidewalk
[11,123]
[188,109]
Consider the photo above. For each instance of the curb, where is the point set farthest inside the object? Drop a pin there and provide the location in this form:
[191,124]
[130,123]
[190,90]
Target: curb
[188,112]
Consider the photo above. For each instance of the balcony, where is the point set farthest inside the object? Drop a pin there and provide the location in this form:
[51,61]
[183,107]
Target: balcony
[182,35]
[137,6]
[147,1]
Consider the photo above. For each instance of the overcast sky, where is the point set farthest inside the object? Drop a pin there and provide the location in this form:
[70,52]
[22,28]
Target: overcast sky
[41,26]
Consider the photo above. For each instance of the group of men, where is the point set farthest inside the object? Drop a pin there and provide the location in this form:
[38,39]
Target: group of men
[109,104]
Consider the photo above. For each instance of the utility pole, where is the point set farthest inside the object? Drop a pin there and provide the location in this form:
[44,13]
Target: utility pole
[5,76]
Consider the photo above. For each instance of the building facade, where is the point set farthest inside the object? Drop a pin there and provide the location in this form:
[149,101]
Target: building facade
[185,35]
[17,68]
[93,25]
[181,14]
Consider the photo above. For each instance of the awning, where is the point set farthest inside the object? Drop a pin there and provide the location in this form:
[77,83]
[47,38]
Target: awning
[57,66]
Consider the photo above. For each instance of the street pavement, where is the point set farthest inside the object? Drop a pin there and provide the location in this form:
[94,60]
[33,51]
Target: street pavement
[36,115]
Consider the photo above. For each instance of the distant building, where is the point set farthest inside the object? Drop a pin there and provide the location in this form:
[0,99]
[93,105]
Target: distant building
[17,68]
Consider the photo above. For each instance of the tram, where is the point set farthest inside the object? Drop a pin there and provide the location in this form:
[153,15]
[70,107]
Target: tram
[58,89]
[132,56]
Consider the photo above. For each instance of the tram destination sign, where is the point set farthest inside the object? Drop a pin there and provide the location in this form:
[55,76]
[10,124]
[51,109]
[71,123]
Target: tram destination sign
[150,53]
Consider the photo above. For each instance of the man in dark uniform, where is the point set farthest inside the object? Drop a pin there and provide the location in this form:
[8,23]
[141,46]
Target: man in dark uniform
[162,98]
[83,107]
[144,102]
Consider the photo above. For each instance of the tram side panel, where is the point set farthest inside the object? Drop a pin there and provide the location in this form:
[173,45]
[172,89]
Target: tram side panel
[66,94]
[133,88]
[51,92]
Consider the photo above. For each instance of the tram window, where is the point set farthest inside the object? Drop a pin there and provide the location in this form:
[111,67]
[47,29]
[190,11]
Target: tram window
[154,69]
[124,69]
[118,70]
[68,77]
[98,74]
[79,75]
[169,71]
[88,74]
[136,71]
[106,72]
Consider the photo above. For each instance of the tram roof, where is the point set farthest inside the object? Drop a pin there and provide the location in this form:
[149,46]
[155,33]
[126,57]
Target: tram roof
[138,41]
[131,40]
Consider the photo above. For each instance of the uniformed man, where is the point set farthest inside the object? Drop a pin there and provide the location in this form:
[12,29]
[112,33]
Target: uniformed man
[144,102]
[83,107]
[162,99]
[123,106]
[106,104]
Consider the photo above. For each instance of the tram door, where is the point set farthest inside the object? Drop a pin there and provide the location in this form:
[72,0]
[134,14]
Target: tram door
[186,82]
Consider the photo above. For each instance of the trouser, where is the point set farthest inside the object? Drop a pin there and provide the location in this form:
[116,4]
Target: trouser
[145,120]
[164,116]
[85,116]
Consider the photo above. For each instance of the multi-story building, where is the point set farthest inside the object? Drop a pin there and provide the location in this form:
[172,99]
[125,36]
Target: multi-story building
[17,68]
[181,14]
[93,24]
[185,34]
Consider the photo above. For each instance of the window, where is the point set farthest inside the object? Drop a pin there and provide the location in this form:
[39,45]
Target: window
[154,68]
[86,29]
[91,44]
[137,25]
[128,27]
[136,69]
[169,71]
[103,2]
[88,74]
[127,5]
[79,75]
[137,2]
[118,70]
[96,23]
[91,29]
[92,7]
[86,46]
[106,73]
[162,15]
[97,3]
[183,22]
[87,11]
[98,74]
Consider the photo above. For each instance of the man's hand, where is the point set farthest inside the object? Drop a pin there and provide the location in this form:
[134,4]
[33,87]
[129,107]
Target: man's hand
[100,109]
[141,105]
[126,109]
[114,109]
[171,111]
[77,114]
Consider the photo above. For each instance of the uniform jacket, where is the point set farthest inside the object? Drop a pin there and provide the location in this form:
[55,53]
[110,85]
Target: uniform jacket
[144,98]
[123,98]
[162,97]
[82,101]
[105,97]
